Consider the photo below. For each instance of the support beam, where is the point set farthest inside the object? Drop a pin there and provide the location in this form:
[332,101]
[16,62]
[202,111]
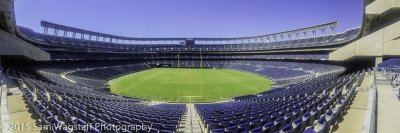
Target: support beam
[1,73]
[378,60]
[314,33]
[46,29]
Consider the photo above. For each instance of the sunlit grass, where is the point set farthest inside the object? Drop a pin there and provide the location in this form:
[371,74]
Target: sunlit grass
[189,85]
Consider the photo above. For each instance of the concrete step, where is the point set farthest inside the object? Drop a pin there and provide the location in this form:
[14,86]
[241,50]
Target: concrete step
[190,121]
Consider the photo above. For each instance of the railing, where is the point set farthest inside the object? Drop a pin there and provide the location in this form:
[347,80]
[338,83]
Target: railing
[374,107]
[5,119]
[370,120]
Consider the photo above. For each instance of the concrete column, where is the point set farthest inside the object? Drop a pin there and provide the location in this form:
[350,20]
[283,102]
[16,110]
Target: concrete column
[314,33]
[378,60]
[323,32]
[45,30]
[1,74]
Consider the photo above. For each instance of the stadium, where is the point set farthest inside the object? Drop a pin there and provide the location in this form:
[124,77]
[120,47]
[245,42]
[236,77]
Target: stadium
[314,79]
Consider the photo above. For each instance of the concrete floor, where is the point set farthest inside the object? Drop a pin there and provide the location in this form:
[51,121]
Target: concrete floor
[21,120]
[352,121]
[388,108]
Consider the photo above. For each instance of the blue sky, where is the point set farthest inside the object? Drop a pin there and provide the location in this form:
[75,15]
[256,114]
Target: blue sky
[189,18]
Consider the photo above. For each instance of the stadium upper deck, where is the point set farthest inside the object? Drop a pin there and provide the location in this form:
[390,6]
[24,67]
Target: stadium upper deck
[72,38]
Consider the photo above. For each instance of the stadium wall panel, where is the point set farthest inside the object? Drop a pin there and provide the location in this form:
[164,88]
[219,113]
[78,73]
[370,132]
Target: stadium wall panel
[380,6]
[12,46]
[384,42]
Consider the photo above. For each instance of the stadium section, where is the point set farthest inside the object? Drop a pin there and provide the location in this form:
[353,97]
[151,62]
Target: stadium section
[322,81]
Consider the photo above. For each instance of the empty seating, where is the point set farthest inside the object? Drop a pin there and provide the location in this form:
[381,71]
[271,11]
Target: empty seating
[77,105]
[317,101]
[288,110]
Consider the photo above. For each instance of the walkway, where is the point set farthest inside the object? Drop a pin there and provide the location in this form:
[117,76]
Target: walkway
[388,107]
[18,112]
[352,121]
[190,122]
[4,117]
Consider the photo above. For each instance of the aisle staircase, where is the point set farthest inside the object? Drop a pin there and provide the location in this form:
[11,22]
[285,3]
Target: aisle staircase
[190,122]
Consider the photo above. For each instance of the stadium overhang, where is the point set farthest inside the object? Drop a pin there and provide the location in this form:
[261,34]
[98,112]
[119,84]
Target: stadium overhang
[307,32]
[381,34]
[14,47]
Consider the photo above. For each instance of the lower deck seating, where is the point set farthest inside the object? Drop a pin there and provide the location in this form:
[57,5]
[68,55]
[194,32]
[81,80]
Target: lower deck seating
[316,104]
[98,77]
[310,105]
[94,111]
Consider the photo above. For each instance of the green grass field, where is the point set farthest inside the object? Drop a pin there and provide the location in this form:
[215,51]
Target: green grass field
[189,85]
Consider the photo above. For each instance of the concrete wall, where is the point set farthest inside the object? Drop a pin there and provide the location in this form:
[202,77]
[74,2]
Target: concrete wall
[380,6]
[385,41]
[380,43]
[14,47]
[7,16]
[392,48]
